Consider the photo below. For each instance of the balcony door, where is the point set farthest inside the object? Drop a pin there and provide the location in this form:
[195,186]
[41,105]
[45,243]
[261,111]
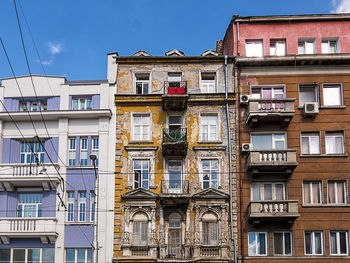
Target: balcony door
[175,126]
[174,237]
[175,176]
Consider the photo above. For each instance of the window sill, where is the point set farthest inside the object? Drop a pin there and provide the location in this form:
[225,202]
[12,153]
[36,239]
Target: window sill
[78,223]
[342,155]
[141,142]
[210,142]
[323,107]
[81,167]
[324,205]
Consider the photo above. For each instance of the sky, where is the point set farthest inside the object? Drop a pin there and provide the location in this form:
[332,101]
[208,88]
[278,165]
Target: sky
[73,37]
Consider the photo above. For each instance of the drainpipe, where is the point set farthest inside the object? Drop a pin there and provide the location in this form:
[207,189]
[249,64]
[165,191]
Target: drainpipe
[237,31]
[230,162]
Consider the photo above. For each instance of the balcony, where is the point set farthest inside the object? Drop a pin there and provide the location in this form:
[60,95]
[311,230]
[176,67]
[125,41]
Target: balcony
[210,252]
[175,142]
[177,253]
[175,96]
[43,228]
[19,175]
[273,210]
[270,110]
[174,192]
[283,161]
[139,251]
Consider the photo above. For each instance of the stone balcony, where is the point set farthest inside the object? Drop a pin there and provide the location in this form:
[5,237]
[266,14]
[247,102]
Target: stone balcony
[19,175]
[174,192]
[283,161]
[270,110]
[43,228]
[273,210]
[174,142]
[175,96]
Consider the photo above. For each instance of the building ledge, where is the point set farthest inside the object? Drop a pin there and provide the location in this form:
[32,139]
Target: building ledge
[209,148]
[141,148]
[323,155]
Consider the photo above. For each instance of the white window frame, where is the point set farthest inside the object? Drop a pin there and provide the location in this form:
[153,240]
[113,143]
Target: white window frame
[273,47]
[84,151]
[23,106]
[76,254]
[316,92]
[148,127]
[336,183]
[256,234]
[273,90]
[29,207]
[208,86]
[148,161]
[326,43]
[257,48]
[208,127]
[70,206]
[210,172]
[333,86]
[95,148]
[312,242]
[332,135]
[92,206]
[303,43]
[137,240]
[82,103]
[310,135]
[262,190]
[72,151]
[34,106]
[273,139]
[337,233]
[28,147]
[284,243]
[142,82]
[82,203]
[26,253]
[320,187]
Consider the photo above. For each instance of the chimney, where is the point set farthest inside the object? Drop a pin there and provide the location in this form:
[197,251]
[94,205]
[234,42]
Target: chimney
[219,47]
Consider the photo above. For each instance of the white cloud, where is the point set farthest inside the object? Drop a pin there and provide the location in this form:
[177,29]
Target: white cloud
[45,62]
[55,48]
[341,6]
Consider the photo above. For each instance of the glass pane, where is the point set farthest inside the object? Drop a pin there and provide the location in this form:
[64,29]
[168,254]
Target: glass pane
[89,255]
[256,192]
[81,255]
[316,193]
[343,242]
[279,192]
[331,96]
[338,144]
[18,256]
[307,94]
[308,243]
[262,142]
[305,145]
[318,243]
[278,243]
[48,255]
[333,243]
[70,255]
[251,244]
[261,243]
[331,192]
[267,192]
[33,255]
[287,244]
[340,192]
[5,255]
[314,145]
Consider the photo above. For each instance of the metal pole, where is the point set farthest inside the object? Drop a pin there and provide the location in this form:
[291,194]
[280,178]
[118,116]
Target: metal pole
[96,246]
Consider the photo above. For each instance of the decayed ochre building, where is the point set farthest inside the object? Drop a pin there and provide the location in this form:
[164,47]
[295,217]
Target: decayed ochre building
[175,197]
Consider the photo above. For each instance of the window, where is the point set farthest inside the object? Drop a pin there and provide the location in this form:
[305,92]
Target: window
[267,191]
[268,92]
[174,123]
[141,174]
[209,127]
[282,243]
[29,205]
[330,46]
[254,48]
[95,148]
[70,206]
[174,235]
[312,192]
[308,93]
[44,105]
[142,83]
[334,143]
[210,229]
[141,129]
[257,244]
[23,106]
[313,242]
[82,206]
[78,255]
[332,95]
[92,205]
[208,82]
[339,242]
[140,230]
[268,141]
[210,171]
[306,46]
[72,151]
[337,193]
[27,255]
[310,143]
[277,47]
[175,175]
[174,79]
[32,152]
[34,106]
[83,151]
[82,103]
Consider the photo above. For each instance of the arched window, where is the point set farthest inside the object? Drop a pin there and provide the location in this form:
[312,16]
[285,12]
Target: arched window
[210,229]
[140,229]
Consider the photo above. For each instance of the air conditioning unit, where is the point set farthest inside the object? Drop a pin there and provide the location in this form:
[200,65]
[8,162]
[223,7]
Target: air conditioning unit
[244,99]
[246,147]
[310,108]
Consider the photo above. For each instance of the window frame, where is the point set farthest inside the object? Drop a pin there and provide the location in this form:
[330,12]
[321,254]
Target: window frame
[272,87]
[70,206]
[86,100]
[207,82]
[333,85]
[304,41]
[256,244]
[316,93]
[345,190]
[206,234]
[149,130]
[82,212]
[92,205]
[328,41]
[138,74]
[303,135]
[275,41]
[83,162]
[72,151]
[141,173]
[338,242]
[26,150]
[312,242]
[95,148]
[335,135]
[26,253]
[142,222]
[255,42]
[284,244]
[21,206]
[273,191]
[217,127]
[210,173]
[273,141]
[86,260]
[320,187]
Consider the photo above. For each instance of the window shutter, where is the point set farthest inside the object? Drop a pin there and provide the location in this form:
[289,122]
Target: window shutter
[213,233]
[144,230]
[205,233]
[136,233]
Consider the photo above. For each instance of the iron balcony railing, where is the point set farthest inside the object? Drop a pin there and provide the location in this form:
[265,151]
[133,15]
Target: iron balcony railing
[175,88]
[175,187]
[178,135]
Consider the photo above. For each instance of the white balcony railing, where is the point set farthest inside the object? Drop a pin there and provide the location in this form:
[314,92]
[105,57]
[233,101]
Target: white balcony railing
[30,226]
[273,208]
[272,159]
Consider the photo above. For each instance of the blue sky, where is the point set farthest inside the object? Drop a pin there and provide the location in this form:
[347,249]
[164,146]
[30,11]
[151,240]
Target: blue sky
[74,36]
